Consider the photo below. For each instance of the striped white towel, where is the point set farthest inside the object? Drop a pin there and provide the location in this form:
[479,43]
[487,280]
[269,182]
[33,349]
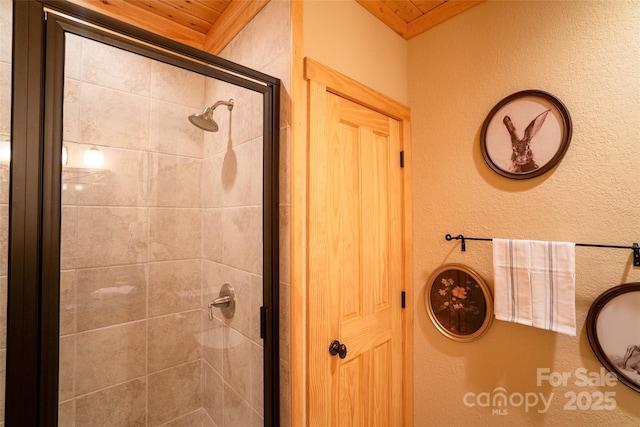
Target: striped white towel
[553,286]
[534,283]
[512,286]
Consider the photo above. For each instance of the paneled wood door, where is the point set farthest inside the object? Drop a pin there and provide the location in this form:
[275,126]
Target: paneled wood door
[355,264]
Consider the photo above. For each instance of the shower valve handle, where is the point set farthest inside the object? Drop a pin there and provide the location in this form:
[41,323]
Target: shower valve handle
[225,302]
[220,302]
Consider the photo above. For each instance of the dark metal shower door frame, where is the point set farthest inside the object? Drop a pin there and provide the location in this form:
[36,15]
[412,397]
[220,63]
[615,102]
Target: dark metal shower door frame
[31,397]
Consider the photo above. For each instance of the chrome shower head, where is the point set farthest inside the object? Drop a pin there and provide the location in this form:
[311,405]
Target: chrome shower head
[204,119]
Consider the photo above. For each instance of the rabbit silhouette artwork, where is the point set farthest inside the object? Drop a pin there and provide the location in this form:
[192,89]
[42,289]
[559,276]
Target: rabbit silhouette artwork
[522,157]
[632,359]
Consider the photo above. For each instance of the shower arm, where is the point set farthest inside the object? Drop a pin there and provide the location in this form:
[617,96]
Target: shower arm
[229,105]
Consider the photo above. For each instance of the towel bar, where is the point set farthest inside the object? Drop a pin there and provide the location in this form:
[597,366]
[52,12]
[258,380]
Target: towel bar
[634,247]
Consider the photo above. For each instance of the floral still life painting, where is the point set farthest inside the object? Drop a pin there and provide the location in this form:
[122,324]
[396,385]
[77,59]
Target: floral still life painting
[459,302]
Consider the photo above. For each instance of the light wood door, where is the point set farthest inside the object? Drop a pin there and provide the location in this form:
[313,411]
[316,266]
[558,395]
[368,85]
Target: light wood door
[355,264]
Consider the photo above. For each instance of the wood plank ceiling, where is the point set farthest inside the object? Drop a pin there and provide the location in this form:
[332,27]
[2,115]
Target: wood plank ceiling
[204,24]
[210,24]
[410,18]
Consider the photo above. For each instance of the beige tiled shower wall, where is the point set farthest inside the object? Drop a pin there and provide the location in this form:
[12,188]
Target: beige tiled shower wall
[131,257]
[149,241]
[232,253]
[5,128]
[265,45]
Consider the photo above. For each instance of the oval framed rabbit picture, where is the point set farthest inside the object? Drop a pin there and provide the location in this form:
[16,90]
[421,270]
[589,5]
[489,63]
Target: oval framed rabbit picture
[526,134]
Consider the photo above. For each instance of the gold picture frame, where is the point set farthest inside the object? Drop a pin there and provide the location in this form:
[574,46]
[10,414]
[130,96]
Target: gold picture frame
[459,302]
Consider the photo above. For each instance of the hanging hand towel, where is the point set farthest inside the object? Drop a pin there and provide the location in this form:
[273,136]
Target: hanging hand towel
[512,286]
[553,277]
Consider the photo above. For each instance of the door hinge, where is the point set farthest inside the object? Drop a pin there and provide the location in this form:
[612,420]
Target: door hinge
[403,299]
[263,322]
[402,159]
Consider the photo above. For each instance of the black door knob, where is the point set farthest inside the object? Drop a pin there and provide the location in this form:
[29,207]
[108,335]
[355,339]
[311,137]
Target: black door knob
[336,348]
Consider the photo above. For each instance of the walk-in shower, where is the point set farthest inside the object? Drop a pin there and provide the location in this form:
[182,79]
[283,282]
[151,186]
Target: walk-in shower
[204,119]
[142,260]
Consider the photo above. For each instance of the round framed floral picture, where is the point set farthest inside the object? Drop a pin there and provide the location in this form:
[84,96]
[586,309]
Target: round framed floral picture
[459,302]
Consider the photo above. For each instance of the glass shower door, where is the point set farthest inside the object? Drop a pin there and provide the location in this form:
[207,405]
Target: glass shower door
[158,215]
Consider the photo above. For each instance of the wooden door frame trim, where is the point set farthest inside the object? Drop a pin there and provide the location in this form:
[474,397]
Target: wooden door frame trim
[353,90]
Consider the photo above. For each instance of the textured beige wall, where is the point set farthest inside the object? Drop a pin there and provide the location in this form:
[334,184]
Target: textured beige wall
[347,38]
[588,55]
